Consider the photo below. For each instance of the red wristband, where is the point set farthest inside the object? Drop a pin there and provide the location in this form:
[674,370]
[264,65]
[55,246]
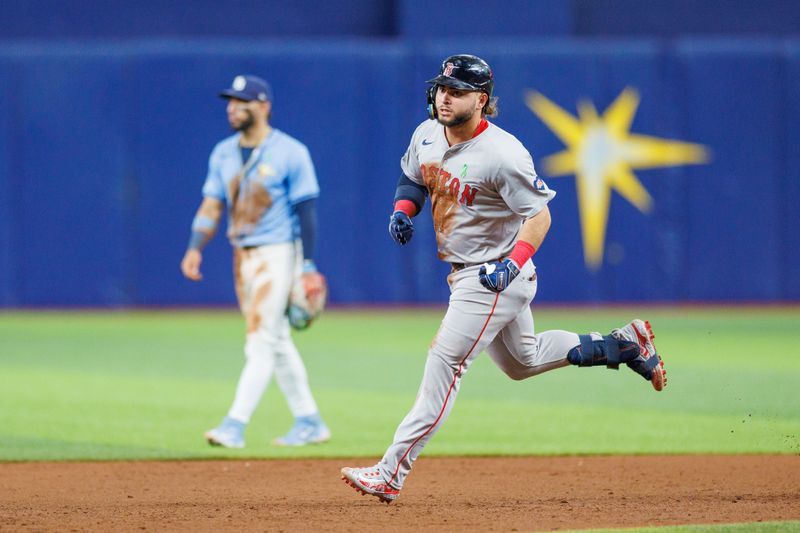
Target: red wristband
[406,206]
[522,252]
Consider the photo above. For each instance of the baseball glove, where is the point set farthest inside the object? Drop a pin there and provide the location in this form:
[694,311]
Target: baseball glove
[307,299]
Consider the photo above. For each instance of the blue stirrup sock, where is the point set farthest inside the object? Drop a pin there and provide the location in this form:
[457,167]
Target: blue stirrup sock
[608,351]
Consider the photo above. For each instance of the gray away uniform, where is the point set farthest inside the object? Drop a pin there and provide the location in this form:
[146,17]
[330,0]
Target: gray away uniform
[481,191]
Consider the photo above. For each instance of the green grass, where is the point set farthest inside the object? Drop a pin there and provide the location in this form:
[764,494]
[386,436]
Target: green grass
[753,527]
[117,385]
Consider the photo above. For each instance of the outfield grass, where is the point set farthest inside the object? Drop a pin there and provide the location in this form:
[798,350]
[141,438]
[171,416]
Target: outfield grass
[752,527]
[118,385]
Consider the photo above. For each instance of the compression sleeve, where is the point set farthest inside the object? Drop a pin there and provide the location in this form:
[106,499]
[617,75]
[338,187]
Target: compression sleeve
[409,190]
[307,215]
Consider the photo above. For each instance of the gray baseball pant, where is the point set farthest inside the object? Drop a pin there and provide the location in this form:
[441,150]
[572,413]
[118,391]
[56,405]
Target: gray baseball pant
[476,320]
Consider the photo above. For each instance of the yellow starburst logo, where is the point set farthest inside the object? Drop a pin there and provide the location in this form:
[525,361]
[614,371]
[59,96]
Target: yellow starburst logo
[602,153]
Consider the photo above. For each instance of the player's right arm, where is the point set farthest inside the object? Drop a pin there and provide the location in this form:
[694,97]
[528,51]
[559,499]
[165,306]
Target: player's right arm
[204,226]
[408,201]
[409,195]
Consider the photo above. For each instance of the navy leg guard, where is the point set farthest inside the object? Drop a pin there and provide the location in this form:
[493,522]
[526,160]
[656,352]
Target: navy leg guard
[608,351]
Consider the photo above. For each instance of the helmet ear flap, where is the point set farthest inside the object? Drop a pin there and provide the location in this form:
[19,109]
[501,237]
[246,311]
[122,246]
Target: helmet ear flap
[431,97]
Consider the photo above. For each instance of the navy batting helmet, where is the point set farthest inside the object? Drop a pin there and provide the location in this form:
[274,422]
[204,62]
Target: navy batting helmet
[465,72]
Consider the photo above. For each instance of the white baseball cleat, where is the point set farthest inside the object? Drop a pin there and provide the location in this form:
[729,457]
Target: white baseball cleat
[648,364]
[306,430]
[369,481]
[229,434]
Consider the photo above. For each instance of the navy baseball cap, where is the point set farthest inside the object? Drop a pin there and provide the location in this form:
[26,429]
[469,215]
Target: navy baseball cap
[248,88]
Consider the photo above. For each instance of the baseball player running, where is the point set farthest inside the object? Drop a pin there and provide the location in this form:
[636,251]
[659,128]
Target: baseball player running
[490,216]
[268,181]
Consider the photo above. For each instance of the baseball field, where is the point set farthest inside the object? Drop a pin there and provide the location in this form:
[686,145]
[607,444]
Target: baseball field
[103,414]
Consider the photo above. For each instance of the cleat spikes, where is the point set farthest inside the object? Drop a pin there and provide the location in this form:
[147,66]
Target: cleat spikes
[368,482]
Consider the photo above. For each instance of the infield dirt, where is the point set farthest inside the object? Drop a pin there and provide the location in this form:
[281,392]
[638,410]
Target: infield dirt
[442,494]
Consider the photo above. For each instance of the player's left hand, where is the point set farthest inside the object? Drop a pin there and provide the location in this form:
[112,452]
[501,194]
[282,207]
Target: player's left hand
[313,284]
[497,275]
[308,297]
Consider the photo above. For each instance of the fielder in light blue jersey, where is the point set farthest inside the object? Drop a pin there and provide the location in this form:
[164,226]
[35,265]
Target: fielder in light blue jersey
[268,183]
[277,176]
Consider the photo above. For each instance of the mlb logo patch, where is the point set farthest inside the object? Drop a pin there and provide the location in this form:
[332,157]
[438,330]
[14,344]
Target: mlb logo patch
[539,184]
[448,69]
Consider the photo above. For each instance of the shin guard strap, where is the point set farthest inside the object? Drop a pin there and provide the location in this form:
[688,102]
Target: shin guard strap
[595,353]
[612,352]
[586,351]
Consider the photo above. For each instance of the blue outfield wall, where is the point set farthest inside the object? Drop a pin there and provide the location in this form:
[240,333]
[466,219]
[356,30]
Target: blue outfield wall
[104,147]
[55,20]
[123,19]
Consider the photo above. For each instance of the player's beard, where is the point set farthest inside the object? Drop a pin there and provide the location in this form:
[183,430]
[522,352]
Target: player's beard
[247,123]
[457,119]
